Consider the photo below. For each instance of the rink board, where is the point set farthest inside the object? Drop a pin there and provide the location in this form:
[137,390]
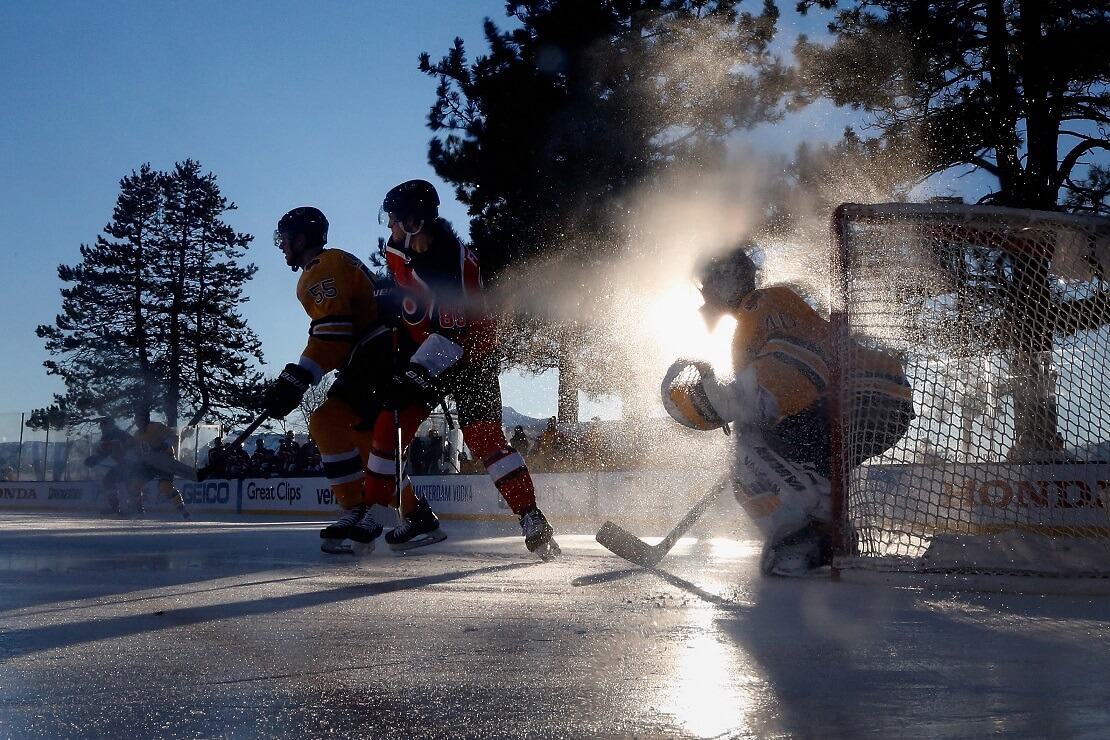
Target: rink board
[627,497]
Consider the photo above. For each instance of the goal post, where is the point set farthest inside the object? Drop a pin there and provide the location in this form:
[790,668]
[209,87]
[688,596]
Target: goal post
[1001,318]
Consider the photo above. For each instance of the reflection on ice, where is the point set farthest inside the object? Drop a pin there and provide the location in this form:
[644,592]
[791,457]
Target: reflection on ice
[709,699]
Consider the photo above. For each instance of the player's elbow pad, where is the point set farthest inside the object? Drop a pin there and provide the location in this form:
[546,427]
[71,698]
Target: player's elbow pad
[437,354]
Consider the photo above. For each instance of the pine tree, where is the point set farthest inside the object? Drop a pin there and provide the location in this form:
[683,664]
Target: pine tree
[547,135]
[1013,88]
[149,322]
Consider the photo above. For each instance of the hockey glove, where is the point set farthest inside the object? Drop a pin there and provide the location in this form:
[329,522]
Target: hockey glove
[286,392]
[411,386]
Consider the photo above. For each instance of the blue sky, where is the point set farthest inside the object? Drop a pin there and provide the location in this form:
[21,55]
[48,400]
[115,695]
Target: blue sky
[288,103]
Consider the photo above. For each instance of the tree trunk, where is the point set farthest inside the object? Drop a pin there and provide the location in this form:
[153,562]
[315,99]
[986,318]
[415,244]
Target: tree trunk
[568,390]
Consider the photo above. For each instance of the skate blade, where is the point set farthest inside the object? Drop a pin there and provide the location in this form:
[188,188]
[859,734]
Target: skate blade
[548,550]
[428,538]
[341,549]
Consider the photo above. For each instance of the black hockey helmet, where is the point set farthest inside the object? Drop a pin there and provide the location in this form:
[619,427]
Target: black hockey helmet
[304,220]
[415,198]
[724,280]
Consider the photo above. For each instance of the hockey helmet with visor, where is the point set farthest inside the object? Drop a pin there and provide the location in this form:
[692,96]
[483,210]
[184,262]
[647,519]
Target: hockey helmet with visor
[305,220]
[415,199]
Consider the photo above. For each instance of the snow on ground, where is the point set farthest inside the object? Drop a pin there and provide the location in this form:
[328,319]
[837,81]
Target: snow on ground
[242,628]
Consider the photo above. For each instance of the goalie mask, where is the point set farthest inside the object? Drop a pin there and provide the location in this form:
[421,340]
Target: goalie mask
[724,281]
[684,395]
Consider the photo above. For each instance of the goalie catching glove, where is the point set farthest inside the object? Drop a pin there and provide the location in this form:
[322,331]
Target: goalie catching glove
[286,392]
[684,395]
[695,398]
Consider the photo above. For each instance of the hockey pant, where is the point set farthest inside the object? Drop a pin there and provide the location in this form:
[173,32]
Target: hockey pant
[477,393]
[344,449]
[780,496]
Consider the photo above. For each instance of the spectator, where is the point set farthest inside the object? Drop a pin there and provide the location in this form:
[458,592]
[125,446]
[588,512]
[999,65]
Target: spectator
[437,453]
[519,440]
[308,458]
[552,445]
[217,458]
[594,453]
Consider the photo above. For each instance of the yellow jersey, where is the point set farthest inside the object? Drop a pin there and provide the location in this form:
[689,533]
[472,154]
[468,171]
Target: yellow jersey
[788,345]
[337,292]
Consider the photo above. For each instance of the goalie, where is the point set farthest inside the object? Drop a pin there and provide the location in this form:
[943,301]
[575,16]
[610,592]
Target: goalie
[778,406]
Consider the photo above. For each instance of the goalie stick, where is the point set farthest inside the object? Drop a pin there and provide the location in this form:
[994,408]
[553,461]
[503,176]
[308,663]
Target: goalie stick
[630,547]
[204,472]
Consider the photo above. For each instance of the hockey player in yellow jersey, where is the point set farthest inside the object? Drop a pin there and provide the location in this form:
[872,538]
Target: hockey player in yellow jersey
[131,462]
[777,405]
[152,441]
[346,333]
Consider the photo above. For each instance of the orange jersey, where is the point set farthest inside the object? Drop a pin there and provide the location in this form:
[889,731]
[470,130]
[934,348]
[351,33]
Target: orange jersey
[444,294]
[337,292]
[788,345]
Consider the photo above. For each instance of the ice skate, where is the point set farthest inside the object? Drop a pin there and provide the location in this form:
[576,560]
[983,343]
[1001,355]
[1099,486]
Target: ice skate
[111,506]
[538,534]
[335,535]
[799,553]
[363,534]
[419,528]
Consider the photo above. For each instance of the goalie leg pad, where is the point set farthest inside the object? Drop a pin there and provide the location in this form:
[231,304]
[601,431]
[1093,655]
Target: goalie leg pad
[777,494]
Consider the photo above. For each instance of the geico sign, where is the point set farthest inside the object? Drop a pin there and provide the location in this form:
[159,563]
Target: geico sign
[213,492]
[282,491]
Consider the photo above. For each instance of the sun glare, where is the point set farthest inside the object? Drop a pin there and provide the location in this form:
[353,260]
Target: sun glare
[678,327]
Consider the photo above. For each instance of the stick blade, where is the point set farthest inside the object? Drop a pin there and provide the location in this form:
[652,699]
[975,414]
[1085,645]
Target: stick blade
[623,543]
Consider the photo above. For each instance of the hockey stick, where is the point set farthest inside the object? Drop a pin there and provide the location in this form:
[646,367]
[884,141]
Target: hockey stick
[630,547]
[398,443]
[204,472]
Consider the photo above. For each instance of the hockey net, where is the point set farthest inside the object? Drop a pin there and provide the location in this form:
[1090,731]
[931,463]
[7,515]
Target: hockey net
[1001,318]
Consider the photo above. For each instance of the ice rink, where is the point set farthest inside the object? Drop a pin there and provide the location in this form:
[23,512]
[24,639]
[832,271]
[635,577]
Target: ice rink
[243,628]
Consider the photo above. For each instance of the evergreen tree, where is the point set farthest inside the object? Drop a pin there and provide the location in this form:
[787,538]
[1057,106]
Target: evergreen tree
[209,348]
[546,137]
[102,337]
[1015,88]
[149,322]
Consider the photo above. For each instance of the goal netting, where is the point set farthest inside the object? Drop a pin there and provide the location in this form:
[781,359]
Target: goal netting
[1001,318]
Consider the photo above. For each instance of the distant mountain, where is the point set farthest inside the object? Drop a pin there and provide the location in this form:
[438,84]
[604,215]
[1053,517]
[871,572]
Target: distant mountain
[510,418]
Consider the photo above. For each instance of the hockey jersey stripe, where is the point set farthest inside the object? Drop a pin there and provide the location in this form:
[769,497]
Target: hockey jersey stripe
[501,465]
[818,379]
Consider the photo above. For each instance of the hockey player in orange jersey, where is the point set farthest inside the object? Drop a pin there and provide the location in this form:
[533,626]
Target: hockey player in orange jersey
[778,406]
[457,354]
[347,333]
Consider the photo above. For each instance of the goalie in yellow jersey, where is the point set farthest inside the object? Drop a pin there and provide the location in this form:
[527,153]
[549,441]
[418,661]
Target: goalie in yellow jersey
[777,404]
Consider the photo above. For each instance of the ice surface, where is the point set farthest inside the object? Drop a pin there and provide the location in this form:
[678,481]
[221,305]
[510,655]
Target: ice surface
[242,628]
